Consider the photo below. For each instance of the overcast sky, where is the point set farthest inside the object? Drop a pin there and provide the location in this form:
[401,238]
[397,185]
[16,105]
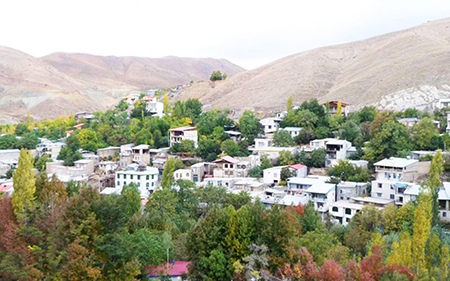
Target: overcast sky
[246,32]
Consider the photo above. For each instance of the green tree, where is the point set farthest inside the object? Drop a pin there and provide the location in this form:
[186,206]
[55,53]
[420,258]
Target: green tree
[130,199]
[8,142]
[24,185]
[436,171]
[208,149]
[318,157]
[285,158]
[392,139]
[282,138]
[40,163]
[122,106]
[231,148]
[21,129]
[216,75]
[289,104]
[167,176]
[423,134]
[166,104]
[249,126]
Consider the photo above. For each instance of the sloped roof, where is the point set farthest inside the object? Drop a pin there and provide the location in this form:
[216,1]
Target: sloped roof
[182,129]
[228,159]
[297,166]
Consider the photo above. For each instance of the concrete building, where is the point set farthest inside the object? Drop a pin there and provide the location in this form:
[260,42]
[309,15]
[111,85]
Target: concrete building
[270,124]
[183,133]
[397,169]
[294,131]
[273,175]
[333,106]
[229,167]
[336,150]
[50,148]
[141,154]
[348,189]
[108,152]
[322,195]
[144,177]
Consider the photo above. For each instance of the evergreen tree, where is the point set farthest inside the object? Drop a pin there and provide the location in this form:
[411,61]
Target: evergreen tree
[24,185]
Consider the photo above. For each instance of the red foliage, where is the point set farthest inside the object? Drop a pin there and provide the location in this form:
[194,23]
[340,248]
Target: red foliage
[331,271]
[400,269]
[373,265]
[299,209]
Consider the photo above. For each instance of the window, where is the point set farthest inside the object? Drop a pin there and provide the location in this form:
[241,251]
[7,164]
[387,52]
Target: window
[335,209]
[392,187]
[131,177]
[444,214]
[147,177]
[347,219]
[348,211]
[118,183]
[118,176]
[124,177]
[379,194]
[139,184]
[380,185]
[139,177]
[124,183]
[153,183]
[225,166]
[147,185]
[392,196]
[153,176]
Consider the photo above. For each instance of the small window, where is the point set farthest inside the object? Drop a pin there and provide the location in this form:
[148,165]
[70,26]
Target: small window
[147,185]
[147,177]
[380,185]
[444,214]
[124,177]
[124,183]
[131,177]
[153,183]
[118,183]
[347,219]
[379,194]
[153,176]
[348,211]
[392,196]
[118,176]
[139,184]
[335,209]
[139,177]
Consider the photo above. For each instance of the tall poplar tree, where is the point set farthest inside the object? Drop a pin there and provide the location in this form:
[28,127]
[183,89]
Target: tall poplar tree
[167,176]
[436,171]
[166,105]
[24,185]
[421,231]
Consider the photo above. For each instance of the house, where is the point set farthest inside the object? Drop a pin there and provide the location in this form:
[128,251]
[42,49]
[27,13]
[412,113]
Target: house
[270,124]
[333,105]
[9,158]
[174,270]
[229,167]
[50,148]
[443,103]
[108,152]
[144,177]
[397,169]
[418,154]
[322,195]
[297,185]
[294,131]
[409,122]
[336,150]
[281,115]
[141,154]
[80,172]
[227,182]
[348,189]
[273,175]
[126,154]
[343,211]
[131,98]
[153,106]
[183,133]
[233,135]
[264,147]
[182,174]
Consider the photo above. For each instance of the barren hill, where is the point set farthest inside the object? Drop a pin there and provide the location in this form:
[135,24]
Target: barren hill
[394,71]
[62,83]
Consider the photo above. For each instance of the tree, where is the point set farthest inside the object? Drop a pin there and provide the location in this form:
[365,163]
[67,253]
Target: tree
[339,109]
[436,171]
[215,267]
[28,141]
[392,139]
[217,75]
[166,104]
[423,134]
[282,138]
[318,157]
[208,149]
[421,231]
[231,148]
[122,106]
[249,126]
[167,176]
[289,104]
[8,141]
[40,163]
[21,129]
[285,158]
[24,185]
[345,171]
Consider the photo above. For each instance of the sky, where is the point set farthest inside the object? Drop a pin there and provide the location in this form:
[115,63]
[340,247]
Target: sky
[246,32]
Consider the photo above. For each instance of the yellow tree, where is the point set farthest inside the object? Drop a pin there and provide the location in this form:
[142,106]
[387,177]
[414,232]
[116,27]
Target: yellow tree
[289,105]
[24,185]
[394,256]
[445,259]
[436,171]
[405,250]
[339,109]
[166,104]
[421,231]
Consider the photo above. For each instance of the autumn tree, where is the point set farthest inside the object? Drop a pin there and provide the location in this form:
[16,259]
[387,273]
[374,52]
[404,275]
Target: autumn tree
[436,171]
[421,231]
[166,104]
[289,104]
[167,176]
[24,185]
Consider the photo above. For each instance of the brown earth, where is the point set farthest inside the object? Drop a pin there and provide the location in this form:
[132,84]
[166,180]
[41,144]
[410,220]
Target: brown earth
[410,65]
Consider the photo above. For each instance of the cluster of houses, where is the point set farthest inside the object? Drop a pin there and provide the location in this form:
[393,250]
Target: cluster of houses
[112,168]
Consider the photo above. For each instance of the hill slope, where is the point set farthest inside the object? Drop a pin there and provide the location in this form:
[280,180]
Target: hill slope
[62,83]
[394,71]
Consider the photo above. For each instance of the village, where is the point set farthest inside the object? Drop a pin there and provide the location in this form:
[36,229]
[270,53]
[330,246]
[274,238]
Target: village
[396,180]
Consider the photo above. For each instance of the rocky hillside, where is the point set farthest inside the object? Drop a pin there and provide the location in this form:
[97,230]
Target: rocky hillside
[394,71]
[63,83]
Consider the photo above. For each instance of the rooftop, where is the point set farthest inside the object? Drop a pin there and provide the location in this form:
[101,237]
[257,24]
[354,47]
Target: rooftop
[373,200]
[297,166]
[228,159]
[322,188]
[294,129]
[183,129]
[396,162]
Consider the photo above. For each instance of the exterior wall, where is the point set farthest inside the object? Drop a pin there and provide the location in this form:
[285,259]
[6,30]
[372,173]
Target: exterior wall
[407,174]
[145,180]
[177,137]
[270,125]
[383,189]
[182,174]
[272,175]
[345,192]
[107,152]
[343,214]
[157,108]
[226,182]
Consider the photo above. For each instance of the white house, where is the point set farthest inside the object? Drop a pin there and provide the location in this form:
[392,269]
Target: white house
[183,133]
[182,174]
[294,131]
[398,169]
[322,195]
[270,124]
[273,175]
[297,185]
[143,176]
[336,150]
[348,189]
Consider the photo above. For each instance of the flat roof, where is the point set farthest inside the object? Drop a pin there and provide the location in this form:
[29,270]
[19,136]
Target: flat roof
[141,146]
[348,204]
[295,129]
[182,129]
[336,141]
[272,190]
[373,200]
[308,180]
[396,162]
[322,188]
